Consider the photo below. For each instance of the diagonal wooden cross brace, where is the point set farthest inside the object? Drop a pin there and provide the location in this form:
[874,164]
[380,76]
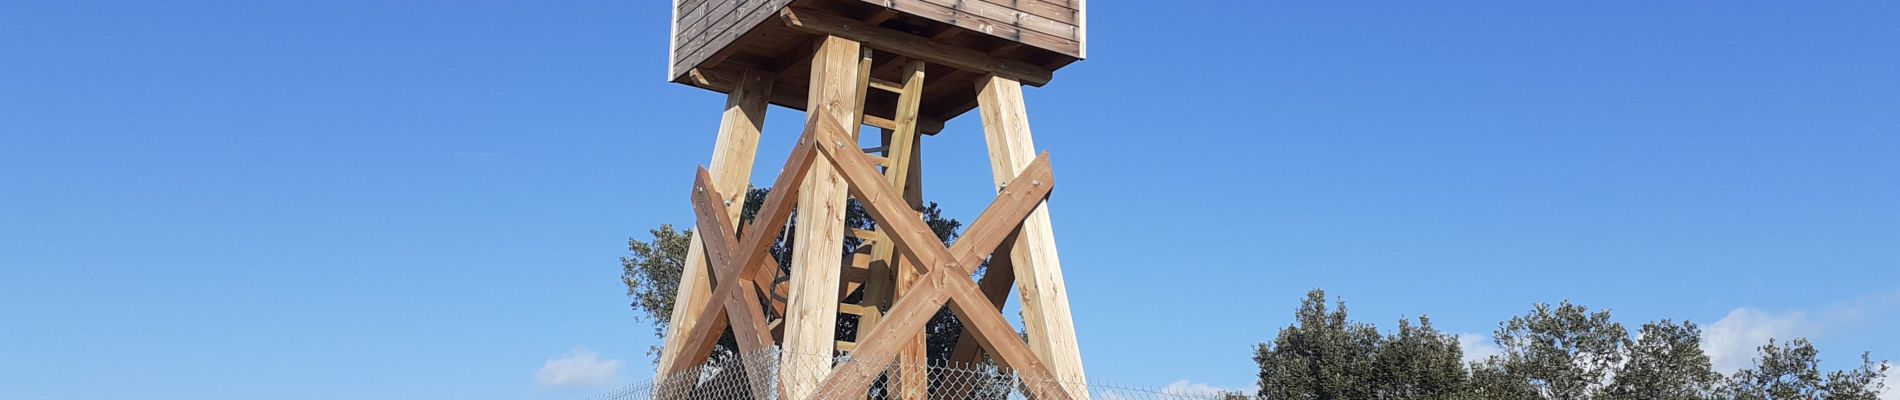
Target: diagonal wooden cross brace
[946,271]
[735,259]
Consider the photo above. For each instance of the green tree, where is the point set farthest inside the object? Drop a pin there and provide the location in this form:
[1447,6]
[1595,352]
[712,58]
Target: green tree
[1418,362]
[1322,356]
[1666,363]
[1791,371]
[1564,352]
[652,275]
[1490,381]
[1866,382]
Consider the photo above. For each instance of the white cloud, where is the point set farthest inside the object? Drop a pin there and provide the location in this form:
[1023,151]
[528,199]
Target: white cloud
[1892,393]
[1889,381]
[1477,347]
[1731,342]
[580,369]
[1191,389]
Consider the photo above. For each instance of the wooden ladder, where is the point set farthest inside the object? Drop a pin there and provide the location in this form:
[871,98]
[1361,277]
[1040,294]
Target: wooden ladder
[874,268]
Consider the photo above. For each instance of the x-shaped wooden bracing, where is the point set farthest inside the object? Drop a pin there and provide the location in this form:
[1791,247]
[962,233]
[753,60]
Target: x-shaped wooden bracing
[945,271]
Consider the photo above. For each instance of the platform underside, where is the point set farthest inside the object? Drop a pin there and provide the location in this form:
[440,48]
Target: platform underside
[772,46]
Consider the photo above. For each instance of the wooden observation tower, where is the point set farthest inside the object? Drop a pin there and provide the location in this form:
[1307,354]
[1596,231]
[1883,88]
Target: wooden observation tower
[904,67]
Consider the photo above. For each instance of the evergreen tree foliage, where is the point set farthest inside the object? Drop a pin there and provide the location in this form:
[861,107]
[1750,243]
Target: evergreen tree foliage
[1565,352]
[1326,356]
[1418,362]
[1666,363]
[1791,371]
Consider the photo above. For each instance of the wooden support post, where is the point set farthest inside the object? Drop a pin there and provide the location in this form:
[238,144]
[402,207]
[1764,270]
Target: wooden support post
[733,154]
[1038,271]
[902,147]
[946,275]
[817,248]
[997,280]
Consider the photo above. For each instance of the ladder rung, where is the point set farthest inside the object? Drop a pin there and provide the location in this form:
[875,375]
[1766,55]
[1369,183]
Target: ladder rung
[854,274]
[887,86]
[879,160]
[860,260]
[846,346]
[880,122]
[870,235]
[858,310]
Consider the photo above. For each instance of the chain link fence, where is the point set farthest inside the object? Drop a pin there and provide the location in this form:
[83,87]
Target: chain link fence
[759,376]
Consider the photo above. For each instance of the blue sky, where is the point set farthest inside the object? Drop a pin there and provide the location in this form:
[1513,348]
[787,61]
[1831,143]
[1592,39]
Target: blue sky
[354,199]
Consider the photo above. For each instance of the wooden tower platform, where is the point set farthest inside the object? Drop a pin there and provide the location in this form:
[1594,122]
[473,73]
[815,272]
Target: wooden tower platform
[904,67]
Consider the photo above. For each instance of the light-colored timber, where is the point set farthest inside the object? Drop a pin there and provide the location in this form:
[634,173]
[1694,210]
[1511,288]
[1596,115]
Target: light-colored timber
[887,280]
[734,152]
[811,308]
[850,64]
[946,276]
[737,261]
[1038,271]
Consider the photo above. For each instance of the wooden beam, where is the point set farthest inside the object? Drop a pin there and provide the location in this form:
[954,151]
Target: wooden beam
[771,218]
[764,279]
[995,284]
[1018,198]
[874,351]
[904,226]
[880,122]
[1000,341]
[912,46]
[878,344]
[748,324]
[811,308]
[862,88]
[910,381]
[723,80]
[945,275]
[903,137]
[742,307]
[1046,316]
[887,86]
[734,152]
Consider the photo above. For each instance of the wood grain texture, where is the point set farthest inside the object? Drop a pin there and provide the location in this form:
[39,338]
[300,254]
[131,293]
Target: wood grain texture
[734,151]
[710,322]
[964,15]
[899,146]
[714,26]
[817,248]
[1015,200]
[913,46]
[997,280]
[998,14]
[1046,315]
[742,307]
[721,249]
[942,272]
